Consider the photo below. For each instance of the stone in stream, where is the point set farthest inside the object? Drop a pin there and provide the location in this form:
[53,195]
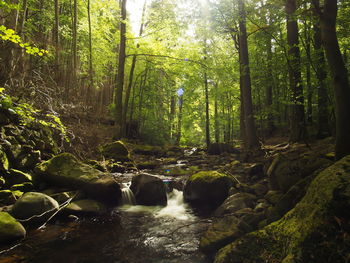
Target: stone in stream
[116,151]
[148,190]
[38,206]
[86,207]
[236,202]
[64,170]
[10,228]
[313,231]
[207,188]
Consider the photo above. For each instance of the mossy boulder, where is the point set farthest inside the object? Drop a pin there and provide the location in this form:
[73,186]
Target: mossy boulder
[18,177]
[310,232]
[148,150]
[222,232]
[207,188]
[64,170]
[10,228]
[148,190]
[284,172]
[4,162]
[86,207]
[37,206]
[116,151]
[236,202]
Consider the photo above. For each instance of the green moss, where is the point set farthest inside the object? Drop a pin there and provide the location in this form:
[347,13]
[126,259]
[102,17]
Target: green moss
[208,176]
[10,229]
[116,150]
[290,237]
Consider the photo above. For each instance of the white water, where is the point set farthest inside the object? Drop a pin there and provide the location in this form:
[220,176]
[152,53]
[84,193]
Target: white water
[176,208]
[128,197]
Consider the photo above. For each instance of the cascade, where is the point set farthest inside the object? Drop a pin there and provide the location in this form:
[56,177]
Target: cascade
[128,197]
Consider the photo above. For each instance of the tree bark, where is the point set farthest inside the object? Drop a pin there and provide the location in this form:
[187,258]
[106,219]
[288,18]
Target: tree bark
[251,138]
[120,75]
[323,129]
[57,41]
[339,75]
[91,69]
[297,117]
[207,119]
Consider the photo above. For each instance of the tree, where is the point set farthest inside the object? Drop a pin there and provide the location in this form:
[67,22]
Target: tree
[339,73]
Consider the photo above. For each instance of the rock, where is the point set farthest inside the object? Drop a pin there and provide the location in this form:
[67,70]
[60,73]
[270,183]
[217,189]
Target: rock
[38,206]
[7,197]
[29,160]
[222,232]
[220,148]
[97,165]
[64,170]
[272,214]
[310,232]
[207,188]
[273,196]
[148,190]
[10,229]
[148,165]
[284,173]
[259,189]
[116,151]
[18,177]
[4,162]
[236,202]
[260,207]
[148,150]
[86,207]
[116,168]
[25,187]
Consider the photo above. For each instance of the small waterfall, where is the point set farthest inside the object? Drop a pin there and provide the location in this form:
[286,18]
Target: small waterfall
[128,197]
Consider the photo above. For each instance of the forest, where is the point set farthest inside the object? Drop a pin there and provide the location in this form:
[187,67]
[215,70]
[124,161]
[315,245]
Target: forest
[159,131]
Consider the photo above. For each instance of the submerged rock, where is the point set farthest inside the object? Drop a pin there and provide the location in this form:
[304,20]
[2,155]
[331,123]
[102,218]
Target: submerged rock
[207,188]
[148,190]
[312,231]
[37,206]
[10,228]
[86,207]
[64,170]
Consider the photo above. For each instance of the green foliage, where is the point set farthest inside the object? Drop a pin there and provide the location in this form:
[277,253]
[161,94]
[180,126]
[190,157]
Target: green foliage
[7,34]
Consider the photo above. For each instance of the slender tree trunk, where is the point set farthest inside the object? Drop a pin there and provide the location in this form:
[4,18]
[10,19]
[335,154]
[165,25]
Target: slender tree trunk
[251,138]
[339,75]
[120,75]
[74,42]
[57,42]
[298,130]
[207,124]
[269,91]
[91,69]
[323,129]
[172,115]
[216,115]
[132,69]
[179,124]
[309,88]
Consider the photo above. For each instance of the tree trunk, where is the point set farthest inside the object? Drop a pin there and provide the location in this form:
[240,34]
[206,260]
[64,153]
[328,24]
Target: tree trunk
[57,42]
[269,91]
[74,45]
[297,117]
[207,124]
[91,69]
[251,138]
[323,129]
[120,75]
[216,115]
[339,75]
[179,124]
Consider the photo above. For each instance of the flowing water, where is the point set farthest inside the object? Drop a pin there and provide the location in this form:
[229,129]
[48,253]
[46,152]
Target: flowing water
[130,234]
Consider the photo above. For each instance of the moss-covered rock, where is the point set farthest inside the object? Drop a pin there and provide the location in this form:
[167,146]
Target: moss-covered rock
[10,228]
[310,232]
[116,151]
[4,162]
[222,232]
[148,190]
[64,170]
[18,177]
[37,206]
[148,150]
[236,202]
[208,188]
[86,207]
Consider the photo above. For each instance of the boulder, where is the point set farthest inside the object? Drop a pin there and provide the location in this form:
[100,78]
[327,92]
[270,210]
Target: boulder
[236,202]
[222,232]
[207,188]
[312,231]
[4,162]
[116,151]
[220,148]
[64,170]
[259,189]
[10,228]
[37,206]
[284,172]
[86,207]
[148,190]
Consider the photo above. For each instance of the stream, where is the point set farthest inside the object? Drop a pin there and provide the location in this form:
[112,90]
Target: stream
[129,234]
